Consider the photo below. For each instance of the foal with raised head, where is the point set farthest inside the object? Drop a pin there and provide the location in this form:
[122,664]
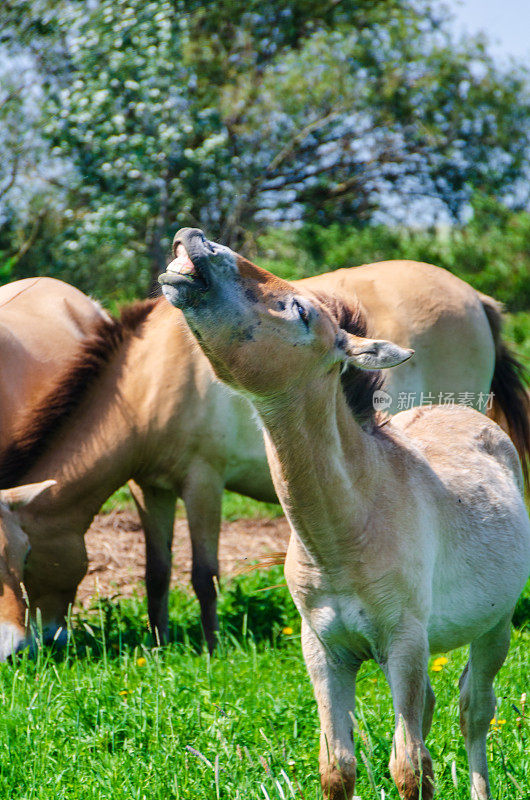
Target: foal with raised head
[93,401]
[407,539]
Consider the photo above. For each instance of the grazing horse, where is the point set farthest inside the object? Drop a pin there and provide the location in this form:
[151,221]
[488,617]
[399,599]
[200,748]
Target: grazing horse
[14,548]
[408,538]
[100,401]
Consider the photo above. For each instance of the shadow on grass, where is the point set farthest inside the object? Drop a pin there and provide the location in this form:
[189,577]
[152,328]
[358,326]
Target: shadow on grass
[521,615]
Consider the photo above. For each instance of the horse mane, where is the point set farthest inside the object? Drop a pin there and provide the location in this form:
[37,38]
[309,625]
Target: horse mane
[358,385]
[42,420]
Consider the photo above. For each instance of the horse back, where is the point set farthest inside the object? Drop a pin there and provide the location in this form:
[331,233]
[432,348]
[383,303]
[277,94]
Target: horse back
[430,310]
[43,323]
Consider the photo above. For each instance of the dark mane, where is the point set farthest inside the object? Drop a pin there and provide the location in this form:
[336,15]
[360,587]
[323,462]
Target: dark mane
[37,427]
[358,385]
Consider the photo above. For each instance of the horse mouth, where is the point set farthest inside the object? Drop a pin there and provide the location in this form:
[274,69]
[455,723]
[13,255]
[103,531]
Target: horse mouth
[182,272]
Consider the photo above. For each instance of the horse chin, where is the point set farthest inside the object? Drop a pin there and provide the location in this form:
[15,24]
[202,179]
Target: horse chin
[12,640]
[183,295]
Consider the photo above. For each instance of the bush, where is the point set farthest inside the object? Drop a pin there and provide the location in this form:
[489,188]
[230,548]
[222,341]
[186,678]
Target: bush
[492,252]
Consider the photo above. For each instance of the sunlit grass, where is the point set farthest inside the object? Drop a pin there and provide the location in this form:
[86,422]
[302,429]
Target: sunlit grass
[234,506]
[111,717]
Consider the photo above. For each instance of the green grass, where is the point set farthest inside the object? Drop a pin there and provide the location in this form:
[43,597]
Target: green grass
[235,506]
[99,721]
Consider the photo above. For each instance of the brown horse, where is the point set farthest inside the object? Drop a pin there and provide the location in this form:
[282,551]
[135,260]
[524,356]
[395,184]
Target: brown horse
[32,358]
[408,538]
[14,548]
[134,398]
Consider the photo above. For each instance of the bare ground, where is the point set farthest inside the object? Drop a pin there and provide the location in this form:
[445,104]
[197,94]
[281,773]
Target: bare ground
[116,554]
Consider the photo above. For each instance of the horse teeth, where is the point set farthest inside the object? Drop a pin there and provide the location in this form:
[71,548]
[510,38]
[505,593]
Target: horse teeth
[182,264]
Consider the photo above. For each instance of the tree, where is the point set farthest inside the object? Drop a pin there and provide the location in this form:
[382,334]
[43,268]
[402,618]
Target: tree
[32,58]
[234,115]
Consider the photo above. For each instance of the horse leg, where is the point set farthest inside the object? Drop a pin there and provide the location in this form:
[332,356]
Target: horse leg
[334,687]
[202,494]
[410,762]
[156,508]
[477,701]
[428,709]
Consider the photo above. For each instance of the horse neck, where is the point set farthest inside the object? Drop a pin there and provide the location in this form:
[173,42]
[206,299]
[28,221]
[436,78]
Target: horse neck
[325,467]
[101,444]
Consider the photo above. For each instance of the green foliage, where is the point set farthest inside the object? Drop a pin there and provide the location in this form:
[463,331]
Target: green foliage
[491,252]
[237,115]
[254,606]
[115,718]
[517,331]
[6,269]
[121,499]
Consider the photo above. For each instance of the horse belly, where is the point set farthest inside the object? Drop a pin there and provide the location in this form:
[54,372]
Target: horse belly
[468,604]
[247,470]
[251,477]
[447,631]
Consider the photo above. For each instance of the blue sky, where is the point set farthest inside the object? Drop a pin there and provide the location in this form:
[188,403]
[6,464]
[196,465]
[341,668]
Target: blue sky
[506,22]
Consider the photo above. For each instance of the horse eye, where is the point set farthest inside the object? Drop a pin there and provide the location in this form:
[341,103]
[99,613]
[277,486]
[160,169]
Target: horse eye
[303,313]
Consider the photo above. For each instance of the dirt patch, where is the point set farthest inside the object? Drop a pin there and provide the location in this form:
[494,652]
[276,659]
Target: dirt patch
[116,554]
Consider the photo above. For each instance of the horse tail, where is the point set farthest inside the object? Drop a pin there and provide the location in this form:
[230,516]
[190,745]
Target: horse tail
[509,386]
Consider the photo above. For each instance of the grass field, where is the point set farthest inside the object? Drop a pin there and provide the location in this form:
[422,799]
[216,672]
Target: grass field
[111,717]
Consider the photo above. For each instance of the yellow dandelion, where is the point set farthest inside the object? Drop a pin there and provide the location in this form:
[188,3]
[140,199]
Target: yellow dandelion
[441,661]
[287,631]
[141,661]
[124,693]
[497,723]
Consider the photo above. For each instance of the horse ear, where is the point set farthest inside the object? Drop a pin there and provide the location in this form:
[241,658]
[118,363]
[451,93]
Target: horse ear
[21,496]
[374,353]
